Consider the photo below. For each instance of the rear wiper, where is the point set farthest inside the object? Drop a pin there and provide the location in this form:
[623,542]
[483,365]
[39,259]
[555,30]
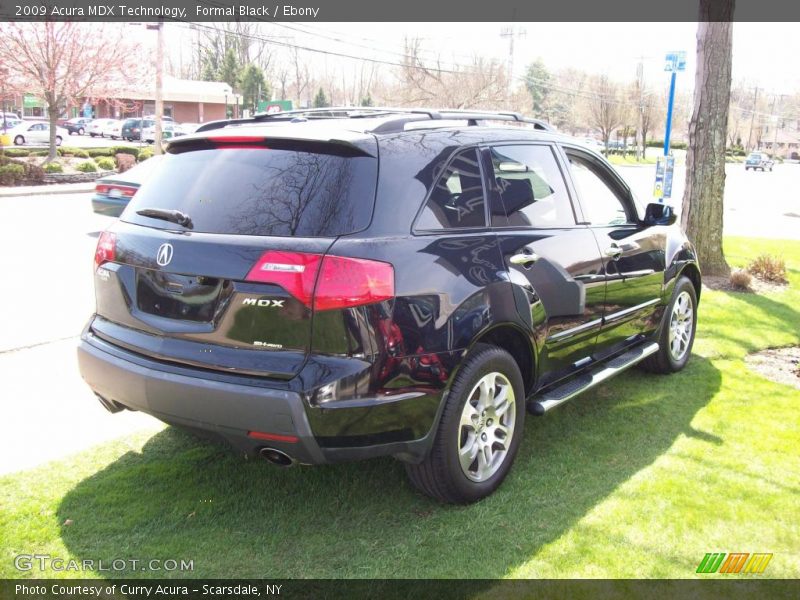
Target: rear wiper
[174,216]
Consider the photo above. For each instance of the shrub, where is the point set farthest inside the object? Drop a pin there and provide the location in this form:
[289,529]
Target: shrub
[106,163]
[53,167]
[17,152]
[76,152]
[40,153]
[95,152]
[145,153]
[124,162]
[134,152]
[31,173]
[11,173]
[741,280]
[87,166]
[769,268]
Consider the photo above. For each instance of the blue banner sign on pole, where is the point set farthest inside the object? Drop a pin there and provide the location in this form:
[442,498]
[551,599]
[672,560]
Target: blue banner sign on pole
[658,188]
[668,171]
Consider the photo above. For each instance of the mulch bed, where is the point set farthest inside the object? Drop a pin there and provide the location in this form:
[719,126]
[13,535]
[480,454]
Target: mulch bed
[781,365]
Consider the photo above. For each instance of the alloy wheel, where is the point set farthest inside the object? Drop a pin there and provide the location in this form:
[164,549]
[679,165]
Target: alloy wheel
[486,427]
[681,326]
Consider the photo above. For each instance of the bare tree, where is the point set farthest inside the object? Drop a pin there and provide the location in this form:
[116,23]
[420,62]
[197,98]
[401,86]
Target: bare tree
[65,62]
[701,216]
[482,84]
[605,106]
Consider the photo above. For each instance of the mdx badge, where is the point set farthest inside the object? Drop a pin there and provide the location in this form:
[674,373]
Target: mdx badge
[266,302]
[164,254]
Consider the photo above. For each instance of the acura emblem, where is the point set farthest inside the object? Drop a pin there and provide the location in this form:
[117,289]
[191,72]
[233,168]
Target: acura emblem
[164,254]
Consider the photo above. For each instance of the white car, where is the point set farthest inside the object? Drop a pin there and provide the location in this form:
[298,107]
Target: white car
[11,120]
[186,128]
[168,130]
[95,128]
[35,132]
[112,129]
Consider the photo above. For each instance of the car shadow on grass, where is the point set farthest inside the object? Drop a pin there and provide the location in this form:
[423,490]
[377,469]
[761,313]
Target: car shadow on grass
[184,498]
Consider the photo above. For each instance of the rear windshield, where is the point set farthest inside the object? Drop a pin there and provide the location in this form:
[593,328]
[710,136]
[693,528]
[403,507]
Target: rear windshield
[261,191]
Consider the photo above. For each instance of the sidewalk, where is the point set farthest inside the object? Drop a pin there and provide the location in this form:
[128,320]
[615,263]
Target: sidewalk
[41,190]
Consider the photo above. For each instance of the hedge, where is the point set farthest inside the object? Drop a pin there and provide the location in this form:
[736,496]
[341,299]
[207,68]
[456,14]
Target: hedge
[87,167]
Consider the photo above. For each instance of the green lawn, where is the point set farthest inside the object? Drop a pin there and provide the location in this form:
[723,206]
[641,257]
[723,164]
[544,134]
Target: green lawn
[630,159]
[639,478]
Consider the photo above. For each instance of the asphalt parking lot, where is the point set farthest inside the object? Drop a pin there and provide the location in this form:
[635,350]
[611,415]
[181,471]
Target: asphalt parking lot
[46,250]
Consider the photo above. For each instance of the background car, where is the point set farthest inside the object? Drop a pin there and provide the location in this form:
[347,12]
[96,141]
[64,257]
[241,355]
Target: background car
[186,128]
[758,160]
[132,128]
[112,193]
[168,130]
[35,132]
[77,125]
[112,129]
[11,120]
[95,128]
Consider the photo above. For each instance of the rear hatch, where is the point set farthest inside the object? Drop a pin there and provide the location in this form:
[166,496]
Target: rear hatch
[213,262]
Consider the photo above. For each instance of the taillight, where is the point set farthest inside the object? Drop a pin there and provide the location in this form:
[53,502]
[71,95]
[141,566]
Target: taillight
[106,249]
[342,283]
[124,190]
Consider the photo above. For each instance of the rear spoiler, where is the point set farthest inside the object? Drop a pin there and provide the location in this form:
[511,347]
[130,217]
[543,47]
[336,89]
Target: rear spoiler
[366,146]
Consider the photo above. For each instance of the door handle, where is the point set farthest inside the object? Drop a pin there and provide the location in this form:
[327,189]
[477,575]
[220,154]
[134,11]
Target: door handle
[614,252]
[523,259]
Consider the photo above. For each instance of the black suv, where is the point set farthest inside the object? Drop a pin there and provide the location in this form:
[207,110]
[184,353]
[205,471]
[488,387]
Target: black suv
[333,285]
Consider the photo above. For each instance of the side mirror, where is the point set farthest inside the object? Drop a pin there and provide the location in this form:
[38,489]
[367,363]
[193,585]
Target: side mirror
[659,214]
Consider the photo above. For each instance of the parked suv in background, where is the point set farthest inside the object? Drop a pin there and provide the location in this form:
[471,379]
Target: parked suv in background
[321,286]
[132,128]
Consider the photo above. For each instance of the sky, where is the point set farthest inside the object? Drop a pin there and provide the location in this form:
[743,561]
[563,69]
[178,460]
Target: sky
[614,48]
[762,52]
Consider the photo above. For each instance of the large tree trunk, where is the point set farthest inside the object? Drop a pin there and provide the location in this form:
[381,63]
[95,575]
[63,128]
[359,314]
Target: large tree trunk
[702,215]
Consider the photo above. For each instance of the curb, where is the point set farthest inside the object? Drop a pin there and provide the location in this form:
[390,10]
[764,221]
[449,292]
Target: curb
[48,190]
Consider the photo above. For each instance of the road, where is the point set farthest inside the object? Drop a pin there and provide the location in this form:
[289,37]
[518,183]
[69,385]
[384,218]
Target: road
[46,250]
[756,204]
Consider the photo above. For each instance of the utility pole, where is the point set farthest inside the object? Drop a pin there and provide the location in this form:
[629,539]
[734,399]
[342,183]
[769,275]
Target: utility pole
[752,121]
[159,27]
[779,100]
[511,33]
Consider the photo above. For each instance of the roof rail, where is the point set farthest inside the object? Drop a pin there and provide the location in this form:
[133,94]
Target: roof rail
[404,115]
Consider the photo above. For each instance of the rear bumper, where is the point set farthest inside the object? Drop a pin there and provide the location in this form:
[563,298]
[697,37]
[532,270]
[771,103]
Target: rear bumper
[229,411]
[110,207]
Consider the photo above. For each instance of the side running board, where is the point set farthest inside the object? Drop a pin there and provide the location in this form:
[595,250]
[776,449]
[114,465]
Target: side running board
[538,405]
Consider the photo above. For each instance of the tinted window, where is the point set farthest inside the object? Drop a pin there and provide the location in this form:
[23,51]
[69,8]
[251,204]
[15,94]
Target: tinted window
[261,192]
[532,187]
[456,200]
[601,204]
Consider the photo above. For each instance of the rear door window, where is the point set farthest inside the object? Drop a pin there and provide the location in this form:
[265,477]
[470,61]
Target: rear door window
[262,191]
[457,200]
[532,187]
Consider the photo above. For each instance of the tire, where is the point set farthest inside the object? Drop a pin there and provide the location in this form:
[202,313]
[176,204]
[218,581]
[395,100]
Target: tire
[81,131]
[91,135]
[441,474]
[19,140]
[674,351]
[58,140]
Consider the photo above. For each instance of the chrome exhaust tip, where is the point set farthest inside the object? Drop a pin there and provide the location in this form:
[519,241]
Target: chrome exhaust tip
[276,457]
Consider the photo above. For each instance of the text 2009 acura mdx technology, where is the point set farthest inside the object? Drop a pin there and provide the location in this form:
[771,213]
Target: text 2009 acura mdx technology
[322,286]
